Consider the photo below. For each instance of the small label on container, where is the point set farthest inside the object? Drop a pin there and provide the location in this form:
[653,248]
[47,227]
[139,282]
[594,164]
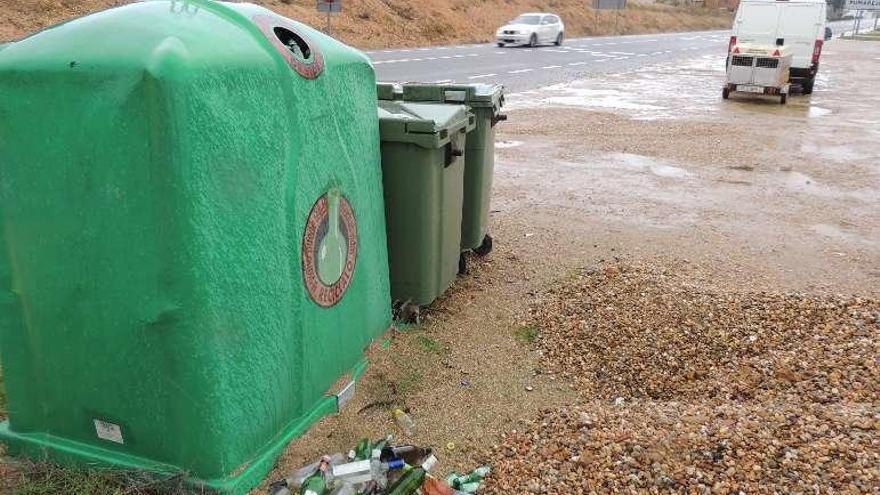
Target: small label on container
[345,395]
[108,431]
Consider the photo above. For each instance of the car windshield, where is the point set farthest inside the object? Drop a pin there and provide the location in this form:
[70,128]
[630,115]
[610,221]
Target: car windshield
[527,19]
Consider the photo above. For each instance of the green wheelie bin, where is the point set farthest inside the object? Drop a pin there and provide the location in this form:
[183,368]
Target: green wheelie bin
[485,101]
[423,154]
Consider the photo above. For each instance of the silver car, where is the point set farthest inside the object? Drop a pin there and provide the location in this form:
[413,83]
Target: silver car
[532,29]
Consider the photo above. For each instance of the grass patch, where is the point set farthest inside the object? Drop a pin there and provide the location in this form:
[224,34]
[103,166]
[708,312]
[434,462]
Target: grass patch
[428,345]
[409,381]
[527,335]
[43,478]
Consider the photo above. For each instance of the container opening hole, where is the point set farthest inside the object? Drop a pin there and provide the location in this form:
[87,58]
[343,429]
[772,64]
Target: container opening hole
[293,42]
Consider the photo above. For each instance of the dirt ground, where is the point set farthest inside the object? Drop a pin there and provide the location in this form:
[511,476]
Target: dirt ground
[651,168]
[398,23]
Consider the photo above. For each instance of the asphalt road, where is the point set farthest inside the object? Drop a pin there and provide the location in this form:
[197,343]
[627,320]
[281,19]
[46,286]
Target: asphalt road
[522,68]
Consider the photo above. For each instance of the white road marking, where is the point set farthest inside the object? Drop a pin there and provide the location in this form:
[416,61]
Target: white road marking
[520,71]
[559,66]
[482,76]
[443,81]
[577,63]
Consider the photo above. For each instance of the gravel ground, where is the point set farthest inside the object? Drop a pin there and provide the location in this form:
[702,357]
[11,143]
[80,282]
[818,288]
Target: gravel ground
[696,390]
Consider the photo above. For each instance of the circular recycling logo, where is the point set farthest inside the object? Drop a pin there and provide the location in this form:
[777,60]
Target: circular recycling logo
[329,249]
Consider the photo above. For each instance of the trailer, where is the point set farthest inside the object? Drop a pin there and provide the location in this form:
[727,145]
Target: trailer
[760,70]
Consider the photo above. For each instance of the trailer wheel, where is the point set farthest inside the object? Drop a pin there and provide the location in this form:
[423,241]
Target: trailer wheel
[725,93]
[783,99]
[485,247]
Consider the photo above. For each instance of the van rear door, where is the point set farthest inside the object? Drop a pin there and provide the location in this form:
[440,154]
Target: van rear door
[801,24]
[757,22]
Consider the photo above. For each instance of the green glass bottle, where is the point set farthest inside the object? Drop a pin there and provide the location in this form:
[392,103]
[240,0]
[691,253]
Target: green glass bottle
[316,484]
[411,481]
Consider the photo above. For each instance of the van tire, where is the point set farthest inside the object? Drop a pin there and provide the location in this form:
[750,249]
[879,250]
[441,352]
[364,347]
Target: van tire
[783,99]
[500,45]
[533,41]
[559,39]
[807,85]
[725,93]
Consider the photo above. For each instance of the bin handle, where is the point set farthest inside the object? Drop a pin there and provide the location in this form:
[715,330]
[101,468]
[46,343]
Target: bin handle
[452,154]
[501,117]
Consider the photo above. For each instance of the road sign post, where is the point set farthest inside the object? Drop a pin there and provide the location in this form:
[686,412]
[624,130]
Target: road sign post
[329,6]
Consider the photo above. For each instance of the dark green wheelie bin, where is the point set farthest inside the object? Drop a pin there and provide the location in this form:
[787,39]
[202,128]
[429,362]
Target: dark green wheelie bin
[423,153]
[485,102]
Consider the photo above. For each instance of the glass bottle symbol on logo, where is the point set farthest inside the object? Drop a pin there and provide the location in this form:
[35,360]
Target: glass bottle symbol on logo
[333,249]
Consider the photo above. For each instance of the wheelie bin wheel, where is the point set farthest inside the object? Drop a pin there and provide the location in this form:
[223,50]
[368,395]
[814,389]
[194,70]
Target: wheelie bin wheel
[462,264]
[484,248]
[783,99]
[409,313]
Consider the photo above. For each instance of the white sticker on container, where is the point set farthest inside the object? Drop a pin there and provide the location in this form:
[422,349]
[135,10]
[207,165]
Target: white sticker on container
[108,431]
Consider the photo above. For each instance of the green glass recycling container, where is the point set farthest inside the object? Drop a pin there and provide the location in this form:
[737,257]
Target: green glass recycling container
[423,153]
[193,237]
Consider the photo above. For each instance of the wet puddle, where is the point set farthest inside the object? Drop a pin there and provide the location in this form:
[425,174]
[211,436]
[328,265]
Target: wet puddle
[508,144]
[815,111]
[655,92]
[652,165]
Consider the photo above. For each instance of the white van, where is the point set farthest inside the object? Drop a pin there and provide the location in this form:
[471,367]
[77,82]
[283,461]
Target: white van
[799,24]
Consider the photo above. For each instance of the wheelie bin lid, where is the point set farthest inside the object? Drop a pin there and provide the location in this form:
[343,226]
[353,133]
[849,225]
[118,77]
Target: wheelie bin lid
[475,95]
[389,91]
[428,125]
